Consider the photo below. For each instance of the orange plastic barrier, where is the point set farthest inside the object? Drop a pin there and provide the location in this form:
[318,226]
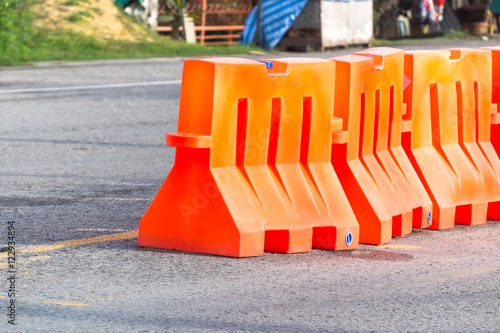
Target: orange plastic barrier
[494,139]
[381,185]
[252,169]
[448,104]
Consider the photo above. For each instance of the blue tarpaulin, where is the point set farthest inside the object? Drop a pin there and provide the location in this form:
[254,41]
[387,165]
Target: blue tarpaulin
[276,17]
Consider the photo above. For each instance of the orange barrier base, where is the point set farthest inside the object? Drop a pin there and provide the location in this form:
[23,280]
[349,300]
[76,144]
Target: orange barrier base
[443,216]
[474,214]
[402,224]
[494,211]
[180,220]
[375,224]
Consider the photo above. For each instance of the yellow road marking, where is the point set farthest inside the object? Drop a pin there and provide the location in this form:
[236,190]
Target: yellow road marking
[487,269]
[83,241]
[6,264]
[481,271]
[72,242]
[40,248]
[399,246]
[67,303]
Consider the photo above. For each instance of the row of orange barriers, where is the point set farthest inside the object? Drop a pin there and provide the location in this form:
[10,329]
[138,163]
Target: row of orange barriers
[293,154]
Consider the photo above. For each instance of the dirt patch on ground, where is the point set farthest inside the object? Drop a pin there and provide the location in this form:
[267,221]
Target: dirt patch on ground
[100,18]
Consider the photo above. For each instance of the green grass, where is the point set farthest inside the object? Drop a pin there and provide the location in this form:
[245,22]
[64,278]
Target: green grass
[457,34]
[21,43]
[77,16]
[74,2]
[55,46]
[96,10]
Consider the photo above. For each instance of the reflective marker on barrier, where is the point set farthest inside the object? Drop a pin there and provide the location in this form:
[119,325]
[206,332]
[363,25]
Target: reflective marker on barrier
[348,238]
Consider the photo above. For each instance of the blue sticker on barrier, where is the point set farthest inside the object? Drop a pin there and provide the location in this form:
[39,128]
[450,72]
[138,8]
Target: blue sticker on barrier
[269,64]
[348,238]
[429,217]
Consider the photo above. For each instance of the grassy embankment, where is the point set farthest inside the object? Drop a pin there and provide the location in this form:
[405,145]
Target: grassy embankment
[52,30]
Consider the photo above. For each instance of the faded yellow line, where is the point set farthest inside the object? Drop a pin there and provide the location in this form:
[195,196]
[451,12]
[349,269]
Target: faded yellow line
[477,272]
[5,264]
[40,248]
[73,242]
[83,241]
[67,303]
[399,246]
[483,270]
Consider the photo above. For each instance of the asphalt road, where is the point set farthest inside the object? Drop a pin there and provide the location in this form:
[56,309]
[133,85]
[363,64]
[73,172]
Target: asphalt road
[82,154]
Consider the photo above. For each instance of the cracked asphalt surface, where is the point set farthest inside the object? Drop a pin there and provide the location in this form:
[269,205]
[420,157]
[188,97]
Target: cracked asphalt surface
[85,163]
